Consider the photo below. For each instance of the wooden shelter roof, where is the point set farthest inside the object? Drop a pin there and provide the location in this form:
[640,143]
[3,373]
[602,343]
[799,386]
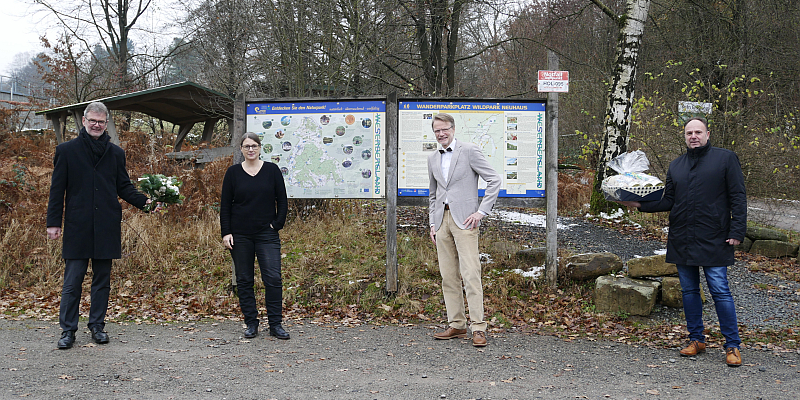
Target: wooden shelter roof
[180,103]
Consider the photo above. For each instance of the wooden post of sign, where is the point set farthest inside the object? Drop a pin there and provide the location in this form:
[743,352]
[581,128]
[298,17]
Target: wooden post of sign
[390,124]
[551,179]
[239,128]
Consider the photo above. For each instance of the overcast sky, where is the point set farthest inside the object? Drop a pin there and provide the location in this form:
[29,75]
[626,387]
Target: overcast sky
[20,28]
[21,24]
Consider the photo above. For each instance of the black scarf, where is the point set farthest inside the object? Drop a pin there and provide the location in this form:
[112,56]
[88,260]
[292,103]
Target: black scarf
[96,147]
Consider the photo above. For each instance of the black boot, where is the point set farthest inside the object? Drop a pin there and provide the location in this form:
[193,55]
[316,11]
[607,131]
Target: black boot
[67,339]
[98,335]
[278,332]
[251,331]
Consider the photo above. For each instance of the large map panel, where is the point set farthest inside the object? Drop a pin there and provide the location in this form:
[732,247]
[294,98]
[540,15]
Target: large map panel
[330,149]
[510,134]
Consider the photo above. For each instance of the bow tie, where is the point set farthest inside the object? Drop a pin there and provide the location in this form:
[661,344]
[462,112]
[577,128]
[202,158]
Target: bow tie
[442,151]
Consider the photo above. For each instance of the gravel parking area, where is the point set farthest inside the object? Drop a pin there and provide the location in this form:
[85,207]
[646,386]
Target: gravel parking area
[761,300]
[332,361]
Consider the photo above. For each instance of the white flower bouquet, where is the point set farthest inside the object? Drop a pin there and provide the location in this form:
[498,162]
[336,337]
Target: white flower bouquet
[161,189]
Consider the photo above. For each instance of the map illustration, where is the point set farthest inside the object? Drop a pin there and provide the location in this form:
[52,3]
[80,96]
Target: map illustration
[487,130]
[325,150]
[510,135]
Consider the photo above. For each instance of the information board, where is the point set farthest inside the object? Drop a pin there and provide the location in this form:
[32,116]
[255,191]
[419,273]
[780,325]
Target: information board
[325,149]
[510,134]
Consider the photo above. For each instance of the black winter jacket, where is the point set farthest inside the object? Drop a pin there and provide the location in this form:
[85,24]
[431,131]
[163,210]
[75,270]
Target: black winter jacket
[86,195]
[706,197]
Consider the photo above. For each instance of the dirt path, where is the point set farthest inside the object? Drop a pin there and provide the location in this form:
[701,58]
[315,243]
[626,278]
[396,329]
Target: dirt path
[212,361]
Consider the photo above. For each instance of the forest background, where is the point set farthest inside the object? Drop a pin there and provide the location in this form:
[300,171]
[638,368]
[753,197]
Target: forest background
[743,56]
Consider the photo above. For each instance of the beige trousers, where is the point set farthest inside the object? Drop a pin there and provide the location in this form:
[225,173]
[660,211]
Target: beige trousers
[457,250]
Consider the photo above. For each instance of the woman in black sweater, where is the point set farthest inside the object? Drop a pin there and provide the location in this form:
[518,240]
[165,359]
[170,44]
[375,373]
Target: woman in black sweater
[253,209]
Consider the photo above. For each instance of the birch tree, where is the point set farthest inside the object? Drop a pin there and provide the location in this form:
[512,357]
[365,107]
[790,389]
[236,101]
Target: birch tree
[619,106]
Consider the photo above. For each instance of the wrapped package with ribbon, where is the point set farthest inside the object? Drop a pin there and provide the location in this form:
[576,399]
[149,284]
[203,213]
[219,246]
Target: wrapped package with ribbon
[632,184]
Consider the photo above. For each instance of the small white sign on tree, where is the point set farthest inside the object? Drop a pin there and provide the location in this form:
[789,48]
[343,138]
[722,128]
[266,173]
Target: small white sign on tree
[553,81]
[694,107]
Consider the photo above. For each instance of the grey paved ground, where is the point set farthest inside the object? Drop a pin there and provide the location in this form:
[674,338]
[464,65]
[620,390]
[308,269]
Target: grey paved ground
[783,214]
[212,361]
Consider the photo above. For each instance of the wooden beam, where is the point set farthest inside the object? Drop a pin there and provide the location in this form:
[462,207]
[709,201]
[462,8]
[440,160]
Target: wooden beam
[391,140]
[77,114]
[208,129]
[55,119]
[111,128]
[239,126]
[183,130]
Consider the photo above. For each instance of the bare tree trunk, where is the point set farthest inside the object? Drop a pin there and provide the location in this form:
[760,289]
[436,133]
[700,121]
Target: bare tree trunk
[452,44]
[620,97]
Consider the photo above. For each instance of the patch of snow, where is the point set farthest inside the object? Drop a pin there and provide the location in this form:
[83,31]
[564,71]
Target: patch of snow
[534,273]
[613,216]
[660,251]
[529,219]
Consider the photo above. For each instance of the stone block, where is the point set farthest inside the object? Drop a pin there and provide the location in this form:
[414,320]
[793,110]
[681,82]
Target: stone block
[671,293]
[534,255]
[505,248]
[774,248]
[584,267]
[745,245]
[650,266]
[758,233]
[631,296]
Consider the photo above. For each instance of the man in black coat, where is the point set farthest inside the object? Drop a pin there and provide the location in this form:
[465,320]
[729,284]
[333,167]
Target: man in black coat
[88,175]
[706,197]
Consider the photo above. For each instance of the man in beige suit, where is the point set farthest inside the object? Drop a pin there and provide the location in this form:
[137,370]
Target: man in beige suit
[455,214]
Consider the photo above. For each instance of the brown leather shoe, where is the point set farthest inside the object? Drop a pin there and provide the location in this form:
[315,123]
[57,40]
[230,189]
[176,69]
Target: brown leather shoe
[451,333]
[694,348]
[479,338]
[733,357]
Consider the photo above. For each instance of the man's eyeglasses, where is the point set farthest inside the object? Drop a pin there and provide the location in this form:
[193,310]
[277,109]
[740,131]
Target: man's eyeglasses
[95,122]
[251,147]
[438,131]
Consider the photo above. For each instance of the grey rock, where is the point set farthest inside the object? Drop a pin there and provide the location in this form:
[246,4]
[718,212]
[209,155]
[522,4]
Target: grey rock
[584,267]
[650,266]
[758,233]
[774,248]
[632,296]
[671,293]
[506,248]
[534,255]
[745,245]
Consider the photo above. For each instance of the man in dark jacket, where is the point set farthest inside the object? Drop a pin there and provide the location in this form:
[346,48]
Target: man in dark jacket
[88,175]
[705,195]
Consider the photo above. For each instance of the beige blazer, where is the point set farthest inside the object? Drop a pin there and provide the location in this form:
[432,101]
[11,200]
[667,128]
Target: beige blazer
[461,187]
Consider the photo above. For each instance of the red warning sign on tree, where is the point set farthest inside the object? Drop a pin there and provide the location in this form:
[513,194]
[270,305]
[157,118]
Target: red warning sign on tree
[553,81]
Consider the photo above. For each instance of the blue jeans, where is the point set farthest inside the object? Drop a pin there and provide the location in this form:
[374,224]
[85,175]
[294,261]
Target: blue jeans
[717,280]
[266,247]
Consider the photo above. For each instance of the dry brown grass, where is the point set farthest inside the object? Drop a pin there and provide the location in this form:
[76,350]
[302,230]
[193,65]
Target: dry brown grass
[174,266]
[574,191]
